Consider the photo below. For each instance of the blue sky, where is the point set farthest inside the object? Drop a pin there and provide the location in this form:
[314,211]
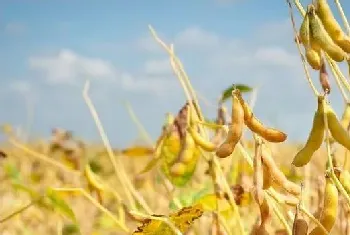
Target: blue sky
[49,48]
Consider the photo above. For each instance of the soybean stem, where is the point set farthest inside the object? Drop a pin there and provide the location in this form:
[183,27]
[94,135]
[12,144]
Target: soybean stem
[308,77]
[118,166]
[345,20]
[96,204]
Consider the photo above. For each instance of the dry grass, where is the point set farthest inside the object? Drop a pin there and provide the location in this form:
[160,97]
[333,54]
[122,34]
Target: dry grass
[46,187]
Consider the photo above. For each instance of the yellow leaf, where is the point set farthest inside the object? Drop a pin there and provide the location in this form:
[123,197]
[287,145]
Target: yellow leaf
[182,219]
[209,203]
[138,151]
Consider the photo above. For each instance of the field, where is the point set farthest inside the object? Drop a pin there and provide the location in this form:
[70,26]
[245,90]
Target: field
[201,176]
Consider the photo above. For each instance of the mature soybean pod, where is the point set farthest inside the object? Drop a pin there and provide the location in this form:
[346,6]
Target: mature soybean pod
[304,32]
[320,37]
[338,132]
[313,58]
[236,128]
[258,178]
[269,134]
[315,138]
[267,178]
[344,179]
[344,43]
[345,119]
[186,155]
[300,226]
[277,175]
[265,215]
[330,208]
[200,141]
[178,169]
[330,24]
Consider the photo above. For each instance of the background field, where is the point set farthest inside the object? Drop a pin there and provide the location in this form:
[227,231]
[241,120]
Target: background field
[133,86]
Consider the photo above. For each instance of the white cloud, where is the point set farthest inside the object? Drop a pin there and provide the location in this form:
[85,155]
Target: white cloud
[276,31]
[68,67]
[149,44]
[157,85]
[21,86]
[15,28]
[158,67]
[276,56]
[197,37]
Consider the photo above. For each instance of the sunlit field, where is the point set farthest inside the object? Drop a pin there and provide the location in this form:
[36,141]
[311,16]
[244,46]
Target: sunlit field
[232,174]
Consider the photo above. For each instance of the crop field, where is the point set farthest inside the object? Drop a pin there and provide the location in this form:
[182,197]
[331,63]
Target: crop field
[200,176]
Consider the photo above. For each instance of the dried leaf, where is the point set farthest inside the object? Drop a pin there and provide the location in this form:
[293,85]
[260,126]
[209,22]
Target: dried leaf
[183,219]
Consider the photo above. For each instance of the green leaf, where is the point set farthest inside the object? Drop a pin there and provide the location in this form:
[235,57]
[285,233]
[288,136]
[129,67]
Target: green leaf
[59,204]
[105,222]
[12,172]
[71,229]
[21,187]
[33,194]
[95,166]
[187,198]
[226,94]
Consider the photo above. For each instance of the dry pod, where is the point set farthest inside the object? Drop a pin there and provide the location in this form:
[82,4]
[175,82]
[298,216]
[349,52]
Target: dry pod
[265,214]
[258,172]
[330,208]
[236,128]
[345,119]
[331,25]
[315,138]
[338,132]
[313,57]
[324,79]
[277,175]
[304,31]
[200,141]
[344,178]
[267,178]
[320,38]
[269,134]
[300,226]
